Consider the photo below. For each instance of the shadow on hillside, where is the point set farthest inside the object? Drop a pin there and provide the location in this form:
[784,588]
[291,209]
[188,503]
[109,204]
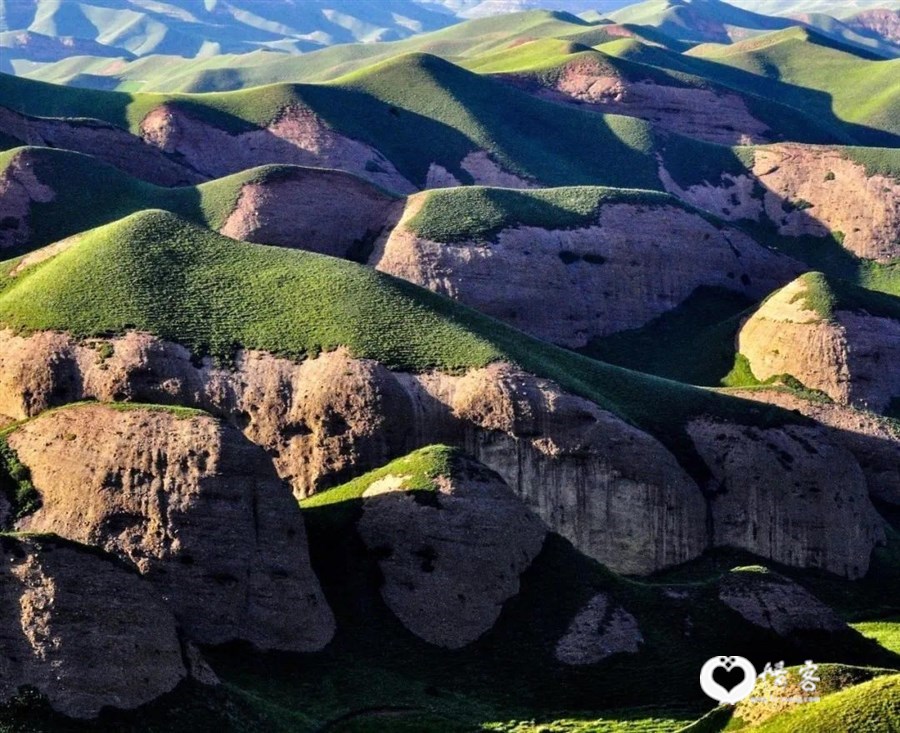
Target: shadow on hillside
[816,106]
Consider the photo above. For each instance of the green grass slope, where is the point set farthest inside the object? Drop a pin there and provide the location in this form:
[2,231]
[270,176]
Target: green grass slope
[479,213]
[416,109]
[871,707]
[88,193]
[157,272]
[852,98]
[696,22]
[231,71]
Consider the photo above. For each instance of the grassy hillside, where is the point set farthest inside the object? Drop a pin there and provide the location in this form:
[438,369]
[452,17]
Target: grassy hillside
[854,99]
[416,109]
[230,71]
[469,213]
[217,294]
[88,193]
[872,706]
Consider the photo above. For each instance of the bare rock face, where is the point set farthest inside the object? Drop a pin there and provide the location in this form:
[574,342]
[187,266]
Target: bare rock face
[19,188]
[193,505]
[599,630]
[84,631]
[483,169]
[451,557]
[568,286]
[611,489]
[774,602]
[614,491]
[298,136]
[704,114]
[330,212]
[873,440]
[846,356]
[789,495]
[808,190]
[110,144]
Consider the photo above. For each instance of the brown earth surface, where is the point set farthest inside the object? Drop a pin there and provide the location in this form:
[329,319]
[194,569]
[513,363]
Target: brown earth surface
[808,190]
[847,357]
[298,137]
[110,144]
[704,114]
[614,491]
[452,557]
[83,630]
[872,439]
[599,630]
[193,505]
[569,286]
[790,495]
[325,211]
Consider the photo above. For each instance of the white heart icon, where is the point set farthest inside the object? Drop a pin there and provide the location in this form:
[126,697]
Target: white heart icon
[719,693]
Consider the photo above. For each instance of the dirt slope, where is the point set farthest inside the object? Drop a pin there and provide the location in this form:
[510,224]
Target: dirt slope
[107,142]
[317,210]
[808,190]
[704,114]
[569,286]
[848,355]
[451,557]
[194,506]
[298,136]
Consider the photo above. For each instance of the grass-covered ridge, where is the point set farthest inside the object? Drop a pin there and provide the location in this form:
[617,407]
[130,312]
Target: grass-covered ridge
[479,213]
[827,295]
[88,193]
[852,99]
[873,707]
[156,272]
[416,109]
[419,470]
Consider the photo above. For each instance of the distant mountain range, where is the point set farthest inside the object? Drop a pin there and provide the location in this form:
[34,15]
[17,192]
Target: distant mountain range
[41,31]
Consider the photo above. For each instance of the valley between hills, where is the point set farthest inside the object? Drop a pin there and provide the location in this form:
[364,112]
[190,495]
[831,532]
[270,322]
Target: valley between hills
[449,369]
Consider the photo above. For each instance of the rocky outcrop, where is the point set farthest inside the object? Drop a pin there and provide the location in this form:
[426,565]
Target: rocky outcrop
[297,136]
[873,440]
[613,490]
[568,286]
[771,601]
[325,211]
[452,556]
[84,631]
[193,505]
[847,355]
[808,190]
[19,188]
[702,113]
[104,141]
[789,495]
[598,631]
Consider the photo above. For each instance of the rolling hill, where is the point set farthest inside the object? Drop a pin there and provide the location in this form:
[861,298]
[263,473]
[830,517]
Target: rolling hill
[491,377]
